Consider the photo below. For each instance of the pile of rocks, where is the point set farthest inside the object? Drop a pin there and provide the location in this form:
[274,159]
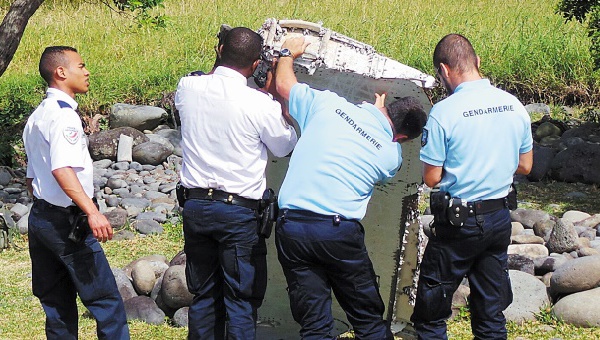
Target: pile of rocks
[565,152]
[552,261]
[153,288]
[135,173]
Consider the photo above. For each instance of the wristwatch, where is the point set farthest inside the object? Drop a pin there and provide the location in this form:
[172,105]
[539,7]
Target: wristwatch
[285,53]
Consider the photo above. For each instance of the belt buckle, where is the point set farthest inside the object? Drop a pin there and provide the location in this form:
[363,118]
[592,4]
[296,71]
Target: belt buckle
[230,199]
[209,194]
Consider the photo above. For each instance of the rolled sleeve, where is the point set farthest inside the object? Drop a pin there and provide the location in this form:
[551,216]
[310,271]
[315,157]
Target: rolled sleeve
[434,150]
[527,142]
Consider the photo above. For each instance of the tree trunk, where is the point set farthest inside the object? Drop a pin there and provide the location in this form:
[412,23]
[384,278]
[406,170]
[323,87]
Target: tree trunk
[12,28]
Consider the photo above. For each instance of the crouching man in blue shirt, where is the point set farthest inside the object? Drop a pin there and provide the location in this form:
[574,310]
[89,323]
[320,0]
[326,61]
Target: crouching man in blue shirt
[344,150]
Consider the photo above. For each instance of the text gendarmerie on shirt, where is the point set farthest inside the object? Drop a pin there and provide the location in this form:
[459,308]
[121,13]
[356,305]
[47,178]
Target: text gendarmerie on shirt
[488,110]
[358,129]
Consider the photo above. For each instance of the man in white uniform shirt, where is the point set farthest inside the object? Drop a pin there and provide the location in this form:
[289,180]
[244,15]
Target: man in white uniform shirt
[59,175]
[226,129]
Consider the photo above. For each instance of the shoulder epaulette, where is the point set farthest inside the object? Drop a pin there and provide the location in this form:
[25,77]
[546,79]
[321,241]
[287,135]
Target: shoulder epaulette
[195,73]
[64,105]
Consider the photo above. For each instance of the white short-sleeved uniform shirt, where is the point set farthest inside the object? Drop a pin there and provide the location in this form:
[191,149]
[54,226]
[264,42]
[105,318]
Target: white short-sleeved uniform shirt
[476,135]
[344,150]
[226,128]
[54,139]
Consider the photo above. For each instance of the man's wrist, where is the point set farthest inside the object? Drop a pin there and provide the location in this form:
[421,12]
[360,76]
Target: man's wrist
[285,52]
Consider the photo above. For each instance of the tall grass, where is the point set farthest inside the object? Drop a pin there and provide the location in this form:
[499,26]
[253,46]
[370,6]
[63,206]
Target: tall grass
[524,46]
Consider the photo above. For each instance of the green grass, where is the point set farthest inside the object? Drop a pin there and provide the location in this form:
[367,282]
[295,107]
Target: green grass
[524,46]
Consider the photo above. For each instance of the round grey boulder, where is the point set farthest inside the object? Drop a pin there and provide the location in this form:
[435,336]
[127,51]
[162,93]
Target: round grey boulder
[5,176]
[529,296]
[180,319]
[174,291]
[148,227]
[150,153]
[528,217]
[145,309]
[150,258]
[574,216]
[161,140]
[117,218]
[143,277]
[124,284]
[517,228]
[140,117]
[543,228]
[577,275]
[580,309]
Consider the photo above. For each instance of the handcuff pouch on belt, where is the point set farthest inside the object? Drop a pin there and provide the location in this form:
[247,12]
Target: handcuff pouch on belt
[268,210]
[447,210]
[80,226]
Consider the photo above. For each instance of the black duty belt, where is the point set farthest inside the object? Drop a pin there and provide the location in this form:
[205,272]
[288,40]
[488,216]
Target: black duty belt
[299,214]
[487,206]
[221,196]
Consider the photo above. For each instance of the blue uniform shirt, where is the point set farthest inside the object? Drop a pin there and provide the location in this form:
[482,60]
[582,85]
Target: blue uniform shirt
[343,151]
[476,135]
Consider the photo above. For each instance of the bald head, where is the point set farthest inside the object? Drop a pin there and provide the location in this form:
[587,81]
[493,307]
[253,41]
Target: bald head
[241,48]
[456,52]
[53,57]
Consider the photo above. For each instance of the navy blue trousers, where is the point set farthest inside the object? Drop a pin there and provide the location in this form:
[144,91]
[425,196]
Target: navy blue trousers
[319,255]
[477,251]
[61,269]
[226,269]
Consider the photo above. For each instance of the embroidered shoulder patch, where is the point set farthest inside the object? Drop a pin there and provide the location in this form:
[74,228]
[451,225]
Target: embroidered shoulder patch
[424,137]
[71,134]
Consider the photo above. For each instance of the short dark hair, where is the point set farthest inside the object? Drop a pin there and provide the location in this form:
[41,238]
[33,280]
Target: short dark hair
[241,48]
[53,57]
[408,116]
[457,52]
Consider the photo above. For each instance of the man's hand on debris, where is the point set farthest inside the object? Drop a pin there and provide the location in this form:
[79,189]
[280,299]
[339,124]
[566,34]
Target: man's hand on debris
[296,45]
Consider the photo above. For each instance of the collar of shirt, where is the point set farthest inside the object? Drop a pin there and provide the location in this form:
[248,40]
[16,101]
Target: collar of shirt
[372,109]
[474,84]
[230,73]
[60,95]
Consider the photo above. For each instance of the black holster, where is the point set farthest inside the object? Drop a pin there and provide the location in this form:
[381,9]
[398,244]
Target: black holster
[80,226]
[511,198]
[182,193]
[267,213]
[438,202]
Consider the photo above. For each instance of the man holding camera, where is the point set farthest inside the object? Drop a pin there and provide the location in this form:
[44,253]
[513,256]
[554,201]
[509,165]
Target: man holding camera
[474,142]
[60,178]
[226,129]
[344,150]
